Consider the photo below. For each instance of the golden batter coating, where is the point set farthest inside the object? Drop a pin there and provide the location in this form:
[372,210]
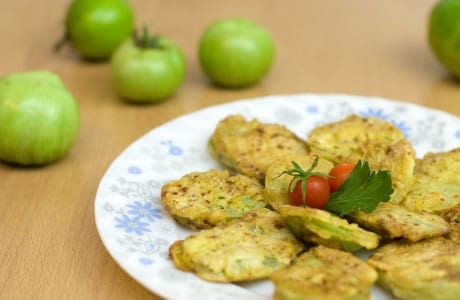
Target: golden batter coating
[338,140]
[250,248]
[249,147]
[436,184]
[425,270]
[396,221]
[277,183]
[326,274]
[321,227]
[201,200]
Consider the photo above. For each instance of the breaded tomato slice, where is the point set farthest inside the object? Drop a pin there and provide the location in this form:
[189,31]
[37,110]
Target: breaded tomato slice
[249,147]
[338,140]
[326,274]
[395,221]
[426,270]
[201,200]
[323,228]
[436,184]
[250,248]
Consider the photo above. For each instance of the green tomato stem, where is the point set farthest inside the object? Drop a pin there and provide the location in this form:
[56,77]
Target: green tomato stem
[146,40]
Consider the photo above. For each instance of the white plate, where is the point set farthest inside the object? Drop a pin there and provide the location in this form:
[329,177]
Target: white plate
[137,231]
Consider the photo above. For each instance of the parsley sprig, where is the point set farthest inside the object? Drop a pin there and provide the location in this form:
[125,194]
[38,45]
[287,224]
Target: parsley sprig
[363,190]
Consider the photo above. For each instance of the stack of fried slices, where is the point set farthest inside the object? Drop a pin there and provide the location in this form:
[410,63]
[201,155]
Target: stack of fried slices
[245,227]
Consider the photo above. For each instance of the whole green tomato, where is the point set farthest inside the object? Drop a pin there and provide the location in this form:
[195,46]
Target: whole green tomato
[444,34]
[97,27]
[147,68]
[39,118]
[236,52]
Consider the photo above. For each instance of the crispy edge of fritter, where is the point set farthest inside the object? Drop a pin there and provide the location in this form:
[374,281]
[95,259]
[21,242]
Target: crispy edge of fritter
[245,148]
[179,258]
[200,214]
[426,270]
[252,224]
[324,273]
[452,216]
[393,221]
[324,228]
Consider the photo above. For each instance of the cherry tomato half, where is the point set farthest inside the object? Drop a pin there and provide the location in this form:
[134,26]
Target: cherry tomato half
[317,193]
[338,174]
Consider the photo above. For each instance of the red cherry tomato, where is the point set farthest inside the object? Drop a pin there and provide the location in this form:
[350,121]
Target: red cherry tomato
[317,192]
[338,174]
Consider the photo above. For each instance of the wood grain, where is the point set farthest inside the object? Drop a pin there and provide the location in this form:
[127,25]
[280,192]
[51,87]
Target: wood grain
[49,245]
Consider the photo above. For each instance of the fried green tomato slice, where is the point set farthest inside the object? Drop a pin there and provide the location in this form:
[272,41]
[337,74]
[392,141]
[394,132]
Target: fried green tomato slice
[323,228]
[250,146]
[324,273]
[277,184]
[436,184]
[398,157]
[452,216]
[426,270]
[393,221]
[200,200]
[250,248]
[338,140]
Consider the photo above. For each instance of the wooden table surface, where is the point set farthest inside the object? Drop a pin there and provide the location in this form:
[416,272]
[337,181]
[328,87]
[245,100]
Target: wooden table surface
[49,245]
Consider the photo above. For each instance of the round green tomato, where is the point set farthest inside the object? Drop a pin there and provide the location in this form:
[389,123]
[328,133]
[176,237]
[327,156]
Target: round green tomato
[39,118]
[147,73]
[444,34]
[97,28]
[236,52]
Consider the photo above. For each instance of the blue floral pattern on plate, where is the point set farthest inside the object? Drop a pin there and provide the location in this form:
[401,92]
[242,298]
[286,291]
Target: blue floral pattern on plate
[130,225]
[137,232]
[144,210]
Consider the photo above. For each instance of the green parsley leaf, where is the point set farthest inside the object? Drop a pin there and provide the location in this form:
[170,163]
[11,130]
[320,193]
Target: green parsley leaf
[362,190]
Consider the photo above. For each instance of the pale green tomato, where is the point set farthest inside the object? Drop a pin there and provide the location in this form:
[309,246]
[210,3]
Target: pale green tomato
[236,52]
[148,72]
[39,118]
[97,27]
[444,34]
